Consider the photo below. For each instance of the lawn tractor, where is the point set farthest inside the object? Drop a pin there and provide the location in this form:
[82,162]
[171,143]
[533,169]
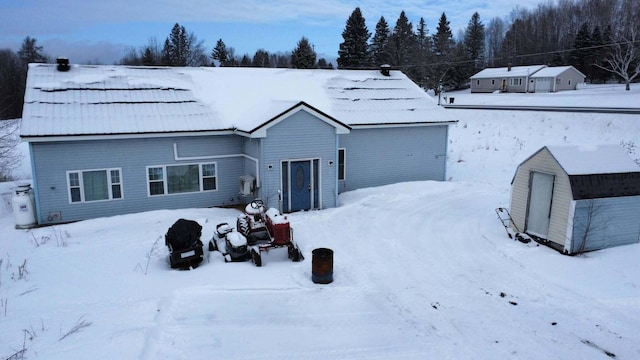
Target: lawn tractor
[266,229]
[232,244]
[185,247]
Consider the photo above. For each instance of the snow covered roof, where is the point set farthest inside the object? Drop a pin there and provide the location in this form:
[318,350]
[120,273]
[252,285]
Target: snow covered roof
[554,71]
[507,72]
[599,159]
[108,100]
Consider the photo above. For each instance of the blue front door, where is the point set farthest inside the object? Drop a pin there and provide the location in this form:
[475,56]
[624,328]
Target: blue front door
[300,185]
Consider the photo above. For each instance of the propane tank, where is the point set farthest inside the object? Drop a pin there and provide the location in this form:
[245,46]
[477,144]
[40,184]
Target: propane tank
[23,206]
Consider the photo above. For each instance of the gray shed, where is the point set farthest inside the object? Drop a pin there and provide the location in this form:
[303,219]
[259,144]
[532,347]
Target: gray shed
[577,199]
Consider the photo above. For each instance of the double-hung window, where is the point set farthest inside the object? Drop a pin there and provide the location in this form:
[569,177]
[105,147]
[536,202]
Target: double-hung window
[183,178]
[94,185]
[515,81]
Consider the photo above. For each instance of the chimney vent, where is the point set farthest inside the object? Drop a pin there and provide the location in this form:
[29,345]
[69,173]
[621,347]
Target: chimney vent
[384,69]
[63,64]
[509,67]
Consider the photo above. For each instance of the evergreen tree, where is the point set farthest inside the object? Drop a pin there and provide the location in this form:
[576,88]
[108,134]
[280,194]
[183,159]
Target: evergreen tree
[303,56]
[597,57]
[322,64]
[580,55]
[12,83]
[354,52]
[443,43]
[474,42]
[246,61]
[183,49]
[220,53]
[424,53]
[379,48]
[30,52]
[260,58]
[403,43]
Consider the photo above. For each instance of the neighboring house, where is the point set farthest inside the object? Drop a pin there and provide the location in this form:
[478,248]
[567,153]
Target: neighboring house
[513,79]
[552,79]
[108,140]
[576,199]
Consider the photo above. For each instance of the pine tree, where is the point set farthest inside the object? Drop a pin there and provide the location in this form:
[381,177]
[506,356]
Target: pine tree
[260,58]
[379,48]
[474,42]
[597,57]
[183,49]
[581,52]
[303,56]
[423,55]
[443,39]
[30,52]
[246,61]
[403,43]
[220,53]
[354,52]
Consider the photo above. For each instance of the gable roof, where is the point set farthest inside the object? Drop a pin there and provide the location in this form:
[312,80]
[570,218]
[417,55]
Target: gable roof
[507,72]
[127,100]
[555,71]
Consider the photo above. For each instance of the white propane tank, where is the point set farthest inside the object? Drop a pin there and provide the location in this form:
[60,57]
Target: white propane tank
[23,207]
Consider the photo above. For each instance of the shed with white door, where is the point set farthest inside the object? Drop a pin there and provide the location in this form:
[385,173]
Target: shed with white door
[578,199]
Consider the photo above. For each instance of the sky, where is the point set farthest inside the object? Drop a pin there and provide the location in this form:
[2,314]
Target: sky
[88,31]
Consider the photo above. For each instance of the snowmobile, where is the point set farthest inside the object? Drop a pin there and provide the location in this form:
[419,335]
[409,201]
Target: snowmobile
[232,244]
[266,229]
[185,247]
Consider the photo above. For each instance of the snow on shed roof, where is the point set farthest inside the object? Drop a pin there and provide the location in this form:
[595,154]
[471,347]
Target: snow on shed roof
[553,71]
[599,159]
[515,71]
[97,100]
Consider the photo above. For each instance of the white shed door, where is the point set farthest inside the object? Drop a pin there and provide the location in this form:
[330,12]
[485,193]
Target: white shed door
[540,194]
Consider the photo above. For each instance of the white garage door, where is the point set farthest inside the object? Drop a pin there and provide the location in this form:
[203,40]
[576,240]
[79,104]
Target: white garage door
[544,85]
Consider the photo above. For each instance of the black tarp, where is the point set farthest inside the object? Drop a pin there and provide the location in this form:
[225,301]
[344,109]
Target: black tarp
[183,234]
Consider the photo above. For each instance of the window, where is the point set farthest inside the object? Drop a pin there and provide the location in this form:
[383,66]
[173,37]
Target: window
[177,179]
[94,185]
[477,82]
[493,81]
[341,162]
[515,82]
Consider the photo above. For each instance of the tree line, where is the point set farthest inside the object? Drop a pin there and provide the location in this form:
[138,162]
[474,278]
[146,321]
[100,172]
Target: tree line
[598,37]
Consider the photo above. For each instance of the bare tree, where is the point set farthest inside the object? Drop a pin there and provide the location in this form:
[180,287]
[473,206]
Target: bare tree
[595,221]
[624,59]
[10,157]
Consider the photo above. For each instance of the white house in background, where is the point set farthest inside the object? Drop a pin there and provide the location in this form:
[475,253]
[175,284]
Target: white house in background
[576,199]
[108,140]
[505,79]
[558,78]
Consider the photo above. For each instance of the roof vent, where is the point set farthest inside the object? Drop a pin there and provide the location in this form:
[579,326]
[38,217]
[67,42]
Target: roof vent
[384,69]
[63,64]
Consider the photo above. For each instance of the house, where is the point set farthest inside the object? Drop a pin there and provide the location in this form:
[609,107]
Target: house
[515,79]
[108,140]
[558,78]
[575,199]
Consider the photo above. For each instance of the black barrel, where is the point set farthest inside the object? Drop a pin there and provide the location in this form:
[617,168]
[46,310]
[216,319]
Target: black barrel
[322,266]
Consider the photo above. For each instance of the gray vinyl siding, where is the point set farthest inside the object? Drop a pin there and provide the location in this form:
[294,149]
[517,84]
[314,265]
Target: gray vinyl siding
[542,161]
[486,85]
[615,221]
[52,160]
[382,156]
[301,136]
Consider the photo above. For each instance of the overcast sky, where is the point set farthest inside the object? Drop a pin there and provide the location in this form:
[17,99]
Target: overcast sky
[100,31]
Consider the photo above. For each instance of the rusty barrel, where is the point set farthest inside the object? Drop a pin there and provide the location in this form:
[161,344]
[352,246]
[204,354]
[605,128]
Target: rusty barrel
[322,266]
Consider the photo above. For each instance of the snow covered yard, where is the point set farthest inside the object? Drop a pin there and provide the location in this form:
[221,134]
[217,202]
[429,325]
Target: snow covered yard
[421,270]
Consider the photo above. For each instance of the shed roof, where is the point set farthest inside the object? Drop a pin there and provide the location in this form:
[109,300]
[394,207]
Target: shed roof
[108,100]
[507,72]
[598,172]
[554,72]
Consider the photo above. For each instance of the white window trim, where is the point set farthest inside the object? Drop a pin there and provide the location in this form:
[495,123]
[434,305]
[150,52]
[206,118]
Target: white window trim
[165,183]
[81,185]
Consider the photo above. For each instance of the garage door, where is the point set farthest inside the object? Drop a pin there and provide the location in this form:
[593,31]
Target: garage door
[544,85]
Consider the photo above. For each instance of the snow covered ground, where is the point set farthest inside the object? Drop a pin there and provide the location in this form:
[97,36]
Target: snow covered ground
[421,270]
